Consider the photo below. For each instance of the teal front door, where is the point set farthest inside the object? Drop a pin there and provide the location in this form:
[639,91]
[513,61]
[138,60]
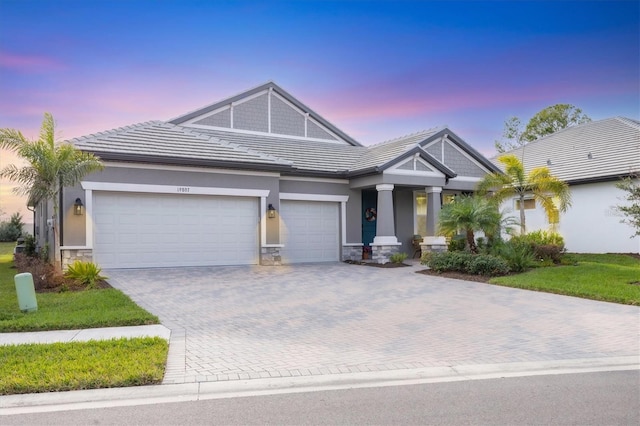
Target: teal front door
[369,216]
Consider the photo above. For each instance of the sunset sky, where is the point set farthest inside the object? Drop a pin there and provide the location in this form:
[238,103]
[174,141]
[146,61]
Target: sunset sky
[377,70]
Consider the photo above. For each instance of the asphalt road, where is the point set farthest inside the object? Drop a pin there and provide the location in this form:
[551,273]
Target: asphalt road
[609,398]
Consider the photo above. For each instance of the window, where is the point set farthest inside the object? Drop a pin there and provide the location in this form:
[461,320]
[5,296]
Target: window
[420,213]
[529,204]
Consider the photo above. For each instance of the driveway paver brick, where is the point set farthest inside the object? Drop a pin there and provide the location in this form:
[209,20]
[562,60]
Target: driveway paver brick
[235,323]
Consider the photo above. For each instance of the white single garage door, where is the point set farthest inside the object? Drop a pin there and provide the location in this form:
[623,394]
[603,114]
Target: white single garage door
[134,230]
[310,231]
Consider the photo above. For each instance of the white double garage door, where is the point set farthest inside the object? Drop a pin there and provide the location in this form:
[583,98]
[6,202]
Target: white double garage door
[140,230]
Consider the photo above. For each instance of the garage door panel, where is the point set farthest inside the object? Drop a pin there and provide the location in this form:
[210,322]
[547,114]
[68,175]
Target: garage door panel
[309,231]
[149,230]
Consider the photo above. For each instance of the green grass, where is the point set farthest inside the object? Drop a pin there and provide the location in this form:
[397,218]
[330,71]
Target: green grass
[70,310]
[606,277]
[82,365]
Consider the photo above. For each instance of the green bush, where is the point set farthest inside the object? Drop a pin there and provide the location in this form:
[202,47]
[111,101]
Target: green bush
[468,263]
[85,273]
[519,256]
[545,245]
[30,245]
[398,257]
[542,238]
[486,264]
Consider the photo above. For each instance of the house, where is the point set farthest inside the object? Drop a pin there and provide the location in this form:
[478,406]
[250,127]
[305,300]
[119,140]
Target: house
[591,158]
[258,178]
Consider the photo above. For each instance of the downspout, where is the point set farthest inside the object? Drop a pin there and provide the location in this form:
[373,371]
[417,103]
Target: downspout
[34,219]
[60,228]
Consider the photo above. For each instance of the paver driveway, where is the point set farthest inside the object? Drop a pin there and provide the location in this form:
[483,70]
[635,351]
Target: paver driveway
[248,322]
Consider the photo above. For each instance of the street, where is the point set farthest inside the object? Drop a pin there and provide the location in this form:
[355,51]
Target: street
[606,398]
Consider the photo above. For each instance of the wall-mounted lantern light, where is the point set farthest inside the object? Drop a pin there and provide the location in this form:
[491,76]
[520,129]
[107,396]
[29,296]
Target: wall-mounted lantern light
[271,211]
[77,207]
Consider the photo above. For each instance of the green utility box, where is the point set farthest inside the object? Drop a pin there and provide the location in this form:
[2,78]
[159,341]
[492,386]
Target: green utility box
[26,292]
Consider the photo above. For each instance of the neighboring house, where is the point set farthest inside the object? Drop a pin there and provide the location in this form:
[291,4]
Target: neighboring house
[258,178]
[591,158]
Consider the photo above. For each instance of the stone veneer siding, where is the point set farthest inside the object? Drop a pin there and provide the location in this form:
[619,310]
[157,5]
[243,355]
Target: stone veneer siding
[352,253]
[270,256]
[382,253]
[71,255]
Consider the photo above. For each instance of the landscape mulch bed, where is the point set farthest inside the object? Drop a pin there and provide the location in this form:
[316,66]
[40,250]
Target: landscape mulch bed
[456,276]
[376,265]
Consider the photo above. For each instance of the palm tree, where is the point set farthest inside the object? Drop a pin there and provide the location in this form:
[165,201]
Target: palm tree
[51,166]
[539,183]
[469,214]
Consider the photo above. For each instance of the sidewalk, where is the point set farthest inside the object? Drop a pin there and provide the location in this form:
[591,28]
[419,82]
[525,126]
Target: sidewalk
[85,335]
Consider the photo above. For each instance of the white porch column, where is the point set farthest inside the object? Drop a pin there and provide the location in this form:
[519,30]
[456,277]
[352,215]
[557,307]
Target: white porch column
[433,209]
[385,229]
[432,242]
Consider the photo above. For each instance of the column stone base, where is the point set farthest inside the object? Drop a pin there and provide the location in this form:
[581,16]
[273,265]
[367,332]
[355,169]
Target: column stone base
[71,255]
[270,255]
[433,244]
[381,253]
[352,252]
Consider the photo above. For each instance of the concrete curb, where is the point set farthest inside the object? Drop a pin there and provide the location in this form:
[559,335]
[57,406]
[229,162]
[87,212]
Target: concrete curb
[100,398]
[65,336]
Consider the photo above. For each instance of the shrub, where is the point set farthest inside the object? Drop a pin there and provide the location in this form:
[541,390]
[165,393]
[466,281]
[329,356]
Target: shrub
[486,264]
[541,238]
[30,245]
[85,273]
[45,275]
[519,256]
[398,257]
[546,246]
[468,263]
[446,261]
[548,252]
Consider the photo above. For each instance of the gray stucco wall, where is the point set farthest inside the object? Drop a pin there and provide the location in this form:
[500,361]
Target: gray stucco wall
[73,227]
[403,203]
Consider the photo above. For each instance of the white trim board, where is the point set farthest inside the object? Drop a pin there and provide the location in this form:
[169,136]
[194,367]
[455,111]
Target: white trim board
[313,197]
[253,132]
[189,169]
[313,179]
[174,189]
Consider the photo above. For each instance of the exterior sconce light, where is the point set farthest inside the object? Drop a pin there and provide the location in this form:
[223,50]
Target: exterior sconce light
[271,211]
[77,207]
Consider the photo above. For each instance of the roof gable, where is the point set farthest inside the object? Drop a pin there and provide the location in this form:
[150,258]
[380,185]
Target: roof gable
[266,109]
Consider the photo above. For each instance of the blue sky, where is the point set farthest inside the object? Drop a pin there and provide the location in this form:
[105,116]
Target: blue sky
[377,70]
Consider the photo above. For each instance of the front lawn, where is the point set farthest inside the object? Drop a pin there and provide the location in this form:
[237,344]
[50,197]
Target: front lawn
[60,367]
[62,311]
[607,277]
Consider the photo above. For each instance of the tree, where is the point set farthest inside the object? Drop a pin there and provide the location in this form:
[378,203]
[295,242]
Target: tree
[514,182]
[631,211]
[12,229]
[469,214]
[51,166]
[547,121]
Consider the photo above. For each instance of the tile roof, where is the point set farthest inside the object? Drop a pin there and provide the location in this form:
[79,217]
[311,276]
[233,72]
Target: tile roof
[301,153]
[163,140]
[382,153]
[601,149]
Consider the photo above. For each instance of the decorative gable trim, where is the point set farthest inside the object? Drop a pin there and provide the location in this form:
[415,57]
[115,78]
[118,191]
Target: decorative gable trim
[310,126]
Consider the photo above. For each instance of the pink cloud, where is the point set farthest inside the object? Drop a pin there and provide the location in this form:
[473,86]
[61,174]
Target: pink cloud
[28,63]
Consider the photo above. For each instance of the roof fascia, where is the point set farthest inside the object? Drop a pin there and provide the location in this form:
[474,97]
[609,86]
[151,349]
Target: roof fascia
[156,159]
[599,179]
